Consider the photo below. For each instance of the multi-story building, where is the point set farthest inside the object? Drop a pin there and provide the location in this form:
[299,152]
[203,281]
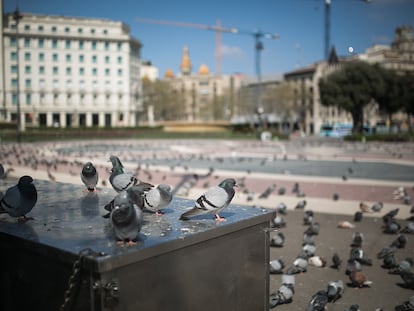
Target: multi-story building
[69,72]
[304,82]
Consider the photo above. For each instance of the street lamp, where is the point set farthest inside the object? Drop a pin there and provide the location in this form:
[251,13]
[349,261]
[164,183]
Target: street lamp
[17,17]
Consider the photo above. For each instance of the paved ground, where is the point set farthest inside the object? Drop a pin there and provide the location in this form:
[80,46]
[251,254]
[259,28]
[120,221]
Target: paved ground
[356,172]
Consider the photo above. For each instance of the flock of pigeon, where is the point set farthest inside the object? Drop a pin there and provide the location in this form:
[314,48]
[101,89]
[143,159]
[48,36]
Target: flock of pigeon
[308,256]
[126,209]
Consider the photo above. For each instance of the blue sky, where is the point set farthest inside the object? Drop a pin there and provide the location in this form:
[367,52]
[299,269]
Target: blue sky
[299,23]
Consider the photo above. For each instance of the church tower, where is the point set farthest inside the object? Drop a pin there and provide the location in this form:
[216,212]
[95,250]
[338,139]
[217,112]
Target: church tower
[185,63]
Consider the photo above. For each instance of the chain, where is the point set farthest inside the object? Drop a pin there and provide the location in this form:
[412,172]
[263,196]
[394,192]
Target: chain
[73,281]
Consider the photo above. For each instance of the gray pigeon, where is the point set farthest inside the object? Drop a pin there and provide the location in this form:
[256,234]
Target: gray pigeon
[301,204]
[89,176]
[357,239]
[408,278]
[407,305]
[126,219]
[120,178]
[213,201]
[404,265]
[278,222]
[278,240]
[308,217]
[409,228]
[377,207]
[335,290]
[281,208]
[276,266]
[336,261]
[318,301]
[285,292]
[299,265]
[353,308]
[19,199]
[157,198]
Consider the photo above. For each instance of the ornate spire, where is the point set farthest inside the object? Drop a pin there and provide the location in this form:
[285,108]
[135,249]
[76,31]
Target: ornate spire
[185,62]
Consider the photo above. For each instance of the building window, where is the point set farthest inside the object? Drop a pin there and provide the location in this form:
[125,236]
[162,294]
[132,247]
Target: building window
[119,59]
[68,71]
[13,56]
[105,32]
[27,56]
[81,58]
[13,68]
[67,44]
[27,42]
[54,29]
[55,57]
[55,83]
[119,46]
[106,46]
[68,58]
[107,72]
[94,59]
[119,72]
[13,41]
[95,84]
[67,29]
[94,45]
[106,59]
[81,71]
[94,71]
[27,69]
[26,27]
[28,83]
[80,30]
[92,31]
[54,43]
[69,83]
[14,98]
[40,28]
[14,83]
[41,83]
[28,99]
[82,85]
[55,70]
[41,43]
[41,57]
[81,45]
[42,70]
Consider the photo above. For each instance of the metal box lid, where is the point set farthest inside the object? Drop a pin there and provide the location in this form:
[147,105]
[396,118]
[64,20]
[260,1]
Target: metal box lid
[68,220]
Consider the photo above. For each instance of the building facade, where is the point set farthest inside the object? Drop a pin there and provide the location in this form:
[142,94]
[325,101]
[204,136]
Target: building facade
[304,82]
[69,72]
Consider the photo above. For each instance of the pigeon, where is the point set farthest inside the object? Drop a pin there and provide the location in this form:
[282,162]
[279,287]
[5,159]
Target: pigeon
[385,251]
[318,301]
[281,208]
[409,228]
[377,207]
[352,265]
[265,194]
[317,261]
[313,229]
[276,266]
[336,261]
[157,198]
[404,265]
[389,261]
[399,242]
[308,250]
[408,278]
[19,199]
[89,176]
[213,201]
[390,215]
[299,265]
[357,239]
[308,239]
[281,191]
[407,305]
[301,204]
[295,188]
[278,240]
[358,216]
[359,279]
[365,208]
[344,224]
[120,178]
[335,290]
[285,292]
[335,196]
[278,222]
[126,219]
[353,308]
[358,254]
[391,226]
[308,217]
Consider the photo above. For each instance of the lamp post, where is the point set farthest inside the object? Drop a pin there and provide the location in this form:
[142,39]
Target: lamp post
[17,17]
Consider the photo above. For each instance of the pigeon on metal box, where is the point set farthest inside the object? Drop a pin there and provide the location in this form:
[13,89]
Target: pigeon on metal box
[213,201]
[157,198]
[120,178]
[19,199]
[126,219]
[89,176]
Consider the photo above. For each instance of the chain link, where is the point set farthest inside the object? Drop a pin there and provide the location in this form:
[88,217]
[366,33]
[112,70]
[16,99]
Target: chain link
[73,281]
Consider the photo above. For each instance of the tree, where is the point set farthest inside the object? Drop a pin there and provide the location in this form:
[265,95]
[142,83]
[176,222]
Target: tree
[351,88]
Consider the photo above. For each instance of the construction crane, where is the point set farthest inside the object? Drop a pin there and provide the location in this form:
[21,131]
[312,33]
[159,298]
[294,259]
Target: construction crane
[328,25]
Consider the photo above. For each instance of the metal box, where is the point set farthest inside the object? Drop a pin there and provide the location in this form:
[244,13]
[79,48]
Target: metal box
[176,265]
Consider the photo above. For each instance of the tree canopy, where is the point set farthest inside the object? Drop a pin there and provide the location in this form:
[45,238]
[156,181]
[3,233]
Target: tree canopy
[352,88]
